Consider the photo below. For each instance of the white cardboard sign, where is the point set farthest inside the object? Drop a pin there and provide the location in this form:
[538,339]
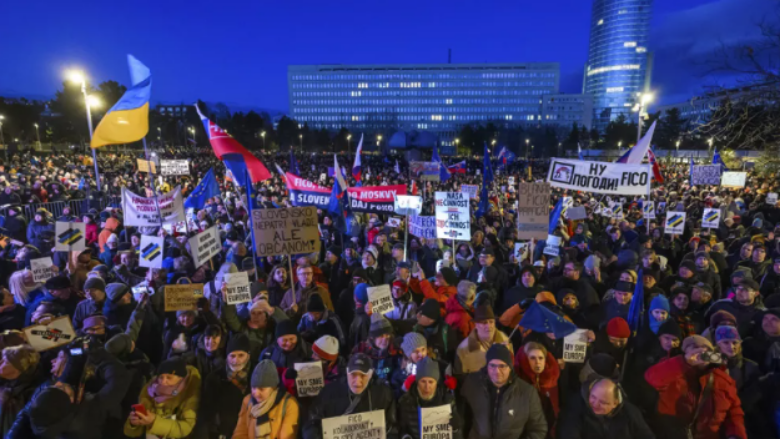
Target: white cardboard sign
[435,422]
[151,255]
[649,209]
[41,269]
[58,332]
[237,288]
[711,218]
[553,245]
[575,346]
[453,216]
[733,179]
[675,223]
[381,299]
[310,379]
[357,425]
[70,237]
[771,198]
[174,167]
[205,245]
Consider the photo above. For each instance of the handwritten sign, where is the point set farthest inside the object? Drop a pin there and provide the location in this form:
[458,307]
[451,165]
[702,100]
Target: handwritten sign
[182,297]
[285,231]
[381,299]
[174,167]
[733,179]
[151,255]
[146,166]
[205,245]
[575,346]
[771,198]
[357,425]
[41,269]
[422,226]
[435,422]
[453,215]
[705,175]
[237,288]
[57,332]
[533,210]
[310,379]
[470,189]
[552,245]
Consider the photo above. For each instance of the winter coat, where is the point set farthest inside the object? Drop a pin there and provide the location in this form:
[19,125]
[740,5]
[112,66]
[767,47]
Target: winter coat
[335,399]
[677,401]
[329,324]
[283,418]
[385,361]
[745,314]
[359,328]
[301,353]
[91,234]
[764,350]
[405,308]
[84,309]
[12,318]
[586,294]
[517,294]
[259,338]
[410,403]
[442,340]
[578,421]
[61,307]
[440,294]
[220,404]
[459,316]
[35,231]
[15,394]
[470,355]
[112,225]
[512,412]
[176,416]
[301,298]
[545,383]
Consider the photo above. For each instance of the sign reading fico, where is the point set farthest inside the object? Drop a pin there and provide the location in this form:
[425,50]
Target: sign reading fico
[601,177]
[453,216]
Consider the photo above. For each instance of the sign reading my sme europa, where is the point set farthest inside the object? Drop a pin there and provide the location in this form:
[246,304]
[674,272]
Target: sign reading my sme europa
[601,177]
[286,231]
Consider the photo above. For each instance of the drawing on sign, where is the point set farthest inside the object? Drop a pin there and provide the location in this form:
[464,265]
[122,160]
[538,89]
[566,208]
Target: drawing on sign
[41,269]
[237,288]
[70,236]
[394,222]
[57,332]
[381,299]
[453,215]
[285,231]
[675,223]
[649,209]
[711,218]
[310,379]
[521,251]
[575,346]
[151,251]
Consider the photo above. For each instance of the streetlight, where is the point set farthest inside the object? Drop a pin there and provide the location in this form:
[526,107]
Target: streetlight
[526,148]
[2,142]
[677,145]
[262,136]
[620,142]
[78,77]
[709,142]
[457,141]
[37,135]
[640,108]
[300,137]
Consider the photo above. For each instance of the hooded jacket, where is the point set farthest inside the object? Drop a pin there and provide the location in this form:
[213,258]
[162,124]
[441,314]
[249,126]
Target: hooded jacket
[545,383]
[459,316]
[519,292]
[112,225]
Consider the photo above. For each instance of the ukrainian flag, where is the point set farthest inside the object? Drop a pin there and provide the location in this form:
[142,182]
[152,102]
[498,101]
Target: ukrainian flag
[128,120]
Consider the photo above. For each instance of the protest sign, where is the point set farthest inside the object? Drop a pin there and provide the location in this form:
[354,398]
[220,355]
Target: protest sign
[71,237]
[601,177]
[146,166]
[425,171]
[705,175]
[510,181]
[435,422]
[533,210]
[675,223]
[310,380]
[357,425]
[237,285]
[142,211]
[576,213]
[661,206]
[616,210]
[575,346]
[394,222]
[174,167]
[711,218]
[648,210]
[205,245]
[41,269]
[470,189]
[381,299]
[407,205]
[182,297]
[771,198]
[323,177]
[453,215]
[285,231]
[552,245]
[305,193]
[57,332]
[422,226]
[374,199]
[151,255]
[521,251]
[733,179]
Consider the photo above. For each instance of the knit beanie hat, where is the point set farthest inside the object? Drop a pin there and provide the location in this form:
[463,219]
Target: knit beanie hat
[115,291]
[361,293]
[119,345]
[449,276]
[265,375]
[727,333]
[173,366]
[95,283]
[428,368]
[326,347]
[315,303]
[696,341]
[618,328]
[592,262]
[379,326]
[499,352]
[285,327]
[413,341]
[722,317]
[670,327]
[659,302]
[50,407]
[431,309]
[238,342]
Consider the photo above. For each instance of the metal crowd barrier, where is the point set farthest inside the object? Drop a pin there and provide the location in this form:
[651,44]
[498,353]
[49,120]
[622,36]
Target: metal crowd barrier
[77,207]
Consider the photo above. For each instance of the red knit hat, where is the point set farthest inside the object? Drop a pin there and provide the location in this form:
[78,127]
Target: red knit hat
[618,328]
[401,284]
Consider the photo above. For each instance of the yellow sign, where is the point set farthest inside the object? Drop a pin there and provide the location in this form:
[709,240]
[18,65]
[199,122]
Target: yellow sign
[182,297]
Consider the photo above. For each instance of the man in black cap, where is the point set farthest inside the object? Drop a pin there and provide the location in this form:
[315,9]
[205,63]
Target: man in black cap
[391,263]
[331,267]
[355,393]
[745,306]
[442,339]
[500,405]
[60,294]
[288,348]
[95,290]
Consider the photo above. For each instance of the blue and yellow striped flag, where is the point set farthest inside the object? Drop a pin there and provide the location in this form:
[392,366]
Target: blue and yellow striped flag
[128,120]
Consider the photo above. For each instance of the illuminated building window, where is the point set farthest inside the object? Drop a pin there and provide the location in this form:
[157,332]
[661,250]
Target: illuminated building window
[613,68]
[614,89]
[600,22]
[641,49]
[629,44]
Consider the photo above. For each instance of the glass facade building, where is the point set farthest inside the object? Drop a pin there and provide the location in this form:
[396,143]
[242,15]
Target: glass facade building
[617,57]
[435,97]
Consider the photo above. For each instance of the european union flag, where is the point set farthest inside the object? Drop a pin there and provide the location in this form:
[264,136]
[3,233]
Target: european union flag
[540,319]
[635,310]
[555,217]
[206,189]
[444,173]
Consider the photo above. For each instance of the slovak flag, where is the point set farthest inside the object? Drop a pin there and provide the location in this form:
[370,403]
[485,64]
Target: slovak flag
[414,187]
[635,155]
[505,156]
[458,168]
[656,169]
[236,158]
[356,167]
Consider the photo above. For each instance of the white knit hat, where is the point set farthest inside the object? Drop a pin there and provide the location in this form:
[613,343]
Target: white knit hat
[326,347]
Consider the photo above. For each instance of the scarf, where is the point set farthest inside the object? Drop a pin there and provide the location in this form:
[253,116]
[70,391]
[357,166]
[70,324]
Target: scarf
[160,393]
[240,376]
[259,411]
[655,324]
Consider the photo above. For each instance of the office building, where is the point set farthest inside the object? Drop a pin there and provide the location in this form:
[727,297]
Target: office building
[565,110]
[440,98]
[618,62]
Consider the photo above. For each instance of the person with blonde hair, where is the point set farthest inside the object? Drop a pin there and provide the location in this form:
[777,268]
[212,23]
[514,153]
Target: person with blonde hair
[20,377]
[24,288]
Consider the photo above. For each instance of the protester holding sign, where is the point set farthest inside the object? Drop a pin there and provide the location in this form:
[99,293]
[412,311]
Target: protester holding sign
[426,392]
[268,411]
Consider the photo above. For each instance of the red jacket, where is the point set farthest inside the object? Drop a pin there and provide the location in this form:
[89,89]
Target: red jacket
[458,317]
[92,233]
[723,410]
[441,294]
[545,383]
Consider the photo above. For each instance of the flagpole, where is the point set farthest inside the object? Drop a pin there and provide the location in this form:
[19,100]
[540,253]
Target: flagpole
[649,183]
[154,189]
[251,220]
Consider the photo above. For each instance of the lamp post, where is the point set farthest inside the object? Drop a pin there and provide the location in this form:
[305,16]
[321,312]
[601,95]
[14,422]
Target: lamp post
[79,78]
[677,145]
[2,141]
[526,149]
[300,138]
[620,142]
[37,135]
[457,142]
[262,136]
[709,147]
[640,108]
[349,137]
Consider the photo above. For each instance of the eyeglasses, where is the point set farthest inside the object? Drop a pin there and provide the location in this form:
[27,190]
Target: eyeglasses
[501,367]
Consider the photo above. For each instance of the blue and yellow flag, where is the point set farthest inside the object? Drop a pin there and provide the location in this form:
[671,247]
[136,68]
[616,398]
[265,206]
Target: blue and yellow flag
[128,120]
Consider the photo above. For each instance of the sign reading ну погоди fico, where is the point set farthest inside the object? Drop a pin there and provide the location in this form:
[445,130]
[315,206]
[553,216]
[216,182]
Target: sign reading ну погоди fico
[285,231]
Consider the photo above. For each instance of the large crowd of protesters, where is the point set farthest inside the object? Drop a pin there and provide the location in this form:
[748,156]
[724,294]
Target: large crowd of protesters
[704,364]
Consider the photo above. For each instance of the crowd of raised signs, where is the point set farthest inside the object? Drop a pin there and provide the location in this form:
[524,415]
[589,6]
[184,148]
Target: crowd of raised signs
[613,328]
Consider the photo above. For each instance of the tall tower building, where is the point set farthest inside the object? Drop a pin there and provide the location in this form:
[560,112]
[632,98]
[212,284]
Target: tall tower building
[618,65]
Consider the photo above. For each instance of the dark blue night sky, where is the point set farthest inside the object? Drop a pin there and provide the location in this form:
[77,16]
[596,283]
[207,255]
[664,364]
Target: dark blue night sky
[238,52]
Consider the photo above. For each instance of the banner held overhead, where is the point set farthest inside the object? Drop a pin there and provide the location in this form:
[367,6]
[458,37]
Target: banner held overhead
[600,177]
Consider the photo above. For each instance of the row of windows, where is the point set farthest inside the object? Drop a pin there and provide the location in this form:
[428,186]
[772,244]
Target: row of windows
[395,93]
[457,102]
[460,84]
[407,110]
[409,76]
[461,119]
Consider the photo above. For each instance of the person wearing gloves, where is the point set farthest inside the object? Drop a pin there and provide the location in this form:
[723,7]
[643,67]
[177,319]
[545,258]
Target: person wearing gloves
[358,392]
[268,411]
[425,392]
[499,405]
[602,411]
[288,348]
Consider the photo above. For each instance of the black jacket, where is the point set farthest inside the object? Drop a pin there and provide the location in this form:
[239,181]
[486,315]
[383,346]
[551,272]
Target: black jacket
[577,421]
[409,416]
[220,404]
